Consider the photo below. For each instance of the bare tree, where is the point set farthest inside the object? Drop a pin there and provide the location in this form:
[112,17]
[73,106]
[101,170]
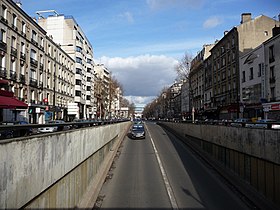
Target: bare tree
[183,67]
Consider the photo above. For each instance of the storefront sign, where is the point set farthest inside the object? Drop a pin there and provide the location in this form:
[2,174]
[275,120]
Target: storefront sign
[275,106]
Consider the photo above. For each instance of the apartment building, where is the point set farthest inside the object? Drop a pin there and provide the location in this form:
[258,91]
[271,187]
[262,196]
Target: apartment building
[225,61]
[38,70]
[197,79]
[272,75]
[102,88]
[66,32]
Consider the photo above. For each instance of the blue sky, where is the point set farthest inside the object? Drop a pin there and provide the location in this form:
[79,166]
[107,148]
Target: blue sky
[140,41]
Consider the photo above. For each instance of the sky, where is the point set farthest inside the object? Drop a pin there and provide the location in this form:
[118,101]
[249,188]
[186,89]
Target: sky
[141,41]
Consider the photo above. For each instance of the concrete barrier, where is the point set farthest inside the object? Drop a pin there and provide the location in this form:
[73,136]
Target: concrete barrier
[31,168]
[260,143]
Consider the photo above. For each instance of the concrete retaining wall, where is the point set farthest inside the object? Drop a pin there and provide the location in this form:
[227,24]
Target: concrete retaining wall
[30,166]
[260,143]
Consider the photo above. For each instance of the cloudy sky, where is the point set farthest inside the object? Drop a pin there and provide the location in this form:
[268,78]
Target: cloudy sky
[140,41]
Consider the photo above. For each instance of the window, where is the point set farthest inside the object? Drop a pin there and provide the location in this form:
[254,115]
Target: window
[243,76]
[33,54]
[272,92]
[14,20]
[271,54]
[78,82]
[260,70]
[23,27]
[3,36]
[34,36]
[79,49]
[251,73]
[4,10]
[78,93]
[79,60]
[14,42]
[272,72]
[22,47]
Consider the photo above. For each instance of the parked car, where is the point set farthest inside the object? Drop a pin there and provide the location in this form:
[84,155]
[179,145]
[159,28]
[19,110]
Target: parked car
[16,132]
[50,129]
[239,122]
[263,124]
[137,131]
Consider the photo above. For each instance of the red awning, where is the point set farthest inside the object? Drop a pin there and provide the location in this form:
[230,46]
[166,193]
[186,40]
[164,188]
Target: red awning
[11,103]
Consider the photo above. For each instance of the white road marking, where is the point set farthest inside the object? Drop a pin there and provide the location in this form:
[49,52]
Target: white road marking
[164,175]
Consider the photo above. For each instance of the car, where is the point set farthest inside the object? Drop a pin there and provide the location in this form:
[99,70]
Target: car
[263,123]
[239,122]
[50,129]
[137,131]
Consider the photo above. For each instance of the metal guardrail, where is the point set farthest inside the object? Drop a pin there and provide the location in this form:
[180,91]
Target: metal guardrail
[258,125]
[14,131]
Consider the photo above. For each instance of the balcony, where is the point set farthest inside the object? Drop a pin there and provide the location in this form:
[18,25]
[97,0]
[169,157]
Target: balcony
[272,80]
[33,82]
[271,60]
[41,67]
[41,85]
[22,78]
[22,56]
[3,46]
[33,62]
[13,51]
[3,72]
[23,34]
[14,27]
[34,42]
[13,75]
[4,20]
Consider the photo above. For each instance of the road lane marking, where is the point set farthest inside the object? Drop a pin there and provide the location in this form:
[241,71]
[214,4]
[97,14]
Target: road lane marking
[164,175]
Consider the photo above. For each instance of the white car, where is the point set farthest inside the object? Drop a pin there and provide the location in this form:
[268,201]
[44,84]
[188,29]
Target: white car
[50,129]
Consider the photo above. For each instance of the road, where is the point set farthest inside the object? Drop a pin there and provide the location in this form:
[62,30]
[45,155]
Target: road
[160,172]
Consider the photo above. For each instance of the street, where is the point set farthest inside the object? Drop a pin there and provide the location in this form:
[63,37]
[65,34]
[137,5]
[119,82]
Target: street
[160,172]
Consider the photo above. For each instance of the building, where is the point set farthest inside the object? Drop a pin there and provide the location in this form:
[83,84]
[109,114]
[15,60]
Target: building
[38,70]
[225,61]
[102,91]
[272,75]
[185,100]
[197,79]
[65,31]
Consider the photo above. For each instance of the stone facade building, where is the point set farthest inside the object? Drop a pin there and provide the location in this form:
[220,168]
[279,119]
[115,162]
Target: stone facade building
[39,72]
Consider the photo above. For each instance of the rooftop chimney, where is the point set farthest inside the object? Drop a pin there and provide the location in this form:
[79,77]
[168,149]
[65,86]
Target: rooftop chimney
[245,17]
[18,3]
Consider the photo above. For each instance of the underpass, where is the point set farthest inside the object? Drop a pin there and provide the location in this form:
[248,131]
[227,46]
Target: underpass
[160,172]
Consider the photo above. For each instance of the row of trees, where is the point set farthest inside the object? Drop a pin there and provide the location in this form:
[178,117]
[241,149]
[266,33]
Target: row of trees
[182,70]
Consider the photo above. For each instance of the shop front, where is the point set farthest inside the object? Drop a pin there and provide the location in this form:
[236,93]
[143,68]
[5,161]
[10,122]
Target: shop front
[271,110]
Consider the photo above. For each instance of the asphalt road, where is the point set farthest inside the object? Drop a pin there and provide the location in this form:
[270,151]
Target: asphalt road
[160,172]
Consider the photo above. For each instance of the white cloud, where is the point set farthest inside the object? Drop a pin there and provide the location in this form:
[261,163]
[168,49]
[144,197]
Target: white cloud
[212,22]
[127,16]
[144,76]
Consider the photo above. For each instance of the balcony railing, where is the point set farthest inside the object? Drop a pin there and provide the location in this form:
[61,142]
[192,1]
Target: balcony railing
[272,80]
[4,20]
[34,42]
[3,46]
[22,78]
[41,85]
[3,72]
[33,82]
[13,75]
[22,56]
[41,66]
[14,51]
[33,62]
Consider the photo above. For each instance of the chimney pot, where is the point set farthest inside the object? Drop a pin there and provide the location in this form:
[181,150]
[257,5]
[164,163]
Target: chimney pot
[245,17]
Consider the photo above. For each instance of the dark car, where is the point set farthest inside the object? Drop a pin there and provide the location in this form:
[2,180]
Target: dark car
[137,131]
